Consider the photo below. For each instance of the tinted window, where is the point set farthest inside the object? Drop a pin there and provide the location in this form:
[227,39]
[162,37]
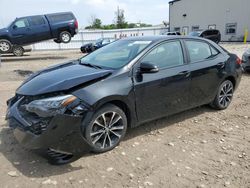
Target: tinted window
[60,17]
[105,41]
[21,23]
[166,55]
[198,51]
[116,54]
[37,20]
[194,34]
[214,51]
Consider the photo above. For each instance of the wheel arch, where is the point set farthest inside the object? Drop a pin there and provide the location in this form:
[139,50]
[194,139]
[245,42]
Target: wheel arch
[60,30]
[232,79]
[5,37]
[131,116]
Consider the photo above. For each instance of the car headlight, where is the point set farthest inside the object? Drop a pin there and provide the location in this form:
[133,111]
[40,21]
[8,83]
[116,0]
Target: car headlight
[50,106]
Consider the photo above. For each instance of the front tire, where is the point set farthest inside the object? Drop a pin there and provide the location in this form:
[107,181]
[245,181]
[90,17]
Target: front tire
[5,46]
[106,129]
[18,51]
[224,96]
[65,37]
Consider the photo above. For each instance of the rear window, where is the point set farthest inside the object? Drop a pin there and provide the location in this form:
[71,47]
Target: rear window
[60,17]
[198,51]
[210,32]
[37,20]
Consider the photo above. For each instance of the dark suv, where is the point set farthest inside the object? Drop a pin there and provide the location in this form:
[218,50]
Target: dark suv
[32,29]
[211,34]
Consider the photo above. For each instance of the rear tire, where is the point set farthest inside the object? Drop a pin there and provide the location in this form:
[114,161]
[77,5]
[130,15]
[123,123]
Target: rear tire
[65,37]
[224,96]
[5,46]
[18,51]
[106,128]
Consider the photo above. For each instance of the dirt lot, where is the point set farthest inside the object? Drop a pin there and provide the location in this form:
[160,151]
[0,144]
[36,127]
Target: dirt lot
[197,148]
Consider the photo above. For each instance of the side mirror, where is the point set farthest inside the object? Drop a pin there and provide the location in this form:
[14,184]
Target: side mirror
[147,67]
[14,26]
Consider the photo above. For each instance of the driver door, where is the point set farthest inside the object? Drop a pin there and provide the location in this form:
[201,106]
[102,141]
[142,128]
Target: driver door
[167,91]
[21,32]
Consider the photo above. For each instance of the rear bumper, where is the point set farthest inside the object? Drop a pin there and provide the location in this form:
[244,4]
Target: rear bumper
[63,135]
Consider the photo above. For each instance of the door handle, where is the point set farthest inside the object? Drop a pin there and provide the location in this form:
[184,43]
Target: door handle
[186,73]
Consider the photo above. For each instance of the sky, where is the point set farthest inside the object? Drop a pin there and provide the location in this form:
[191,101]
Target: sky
[146,11]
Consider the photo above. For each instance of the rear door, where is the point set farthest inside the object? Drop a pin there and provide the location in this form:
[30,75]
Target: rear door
[40,29]
[207,65]
[167,91]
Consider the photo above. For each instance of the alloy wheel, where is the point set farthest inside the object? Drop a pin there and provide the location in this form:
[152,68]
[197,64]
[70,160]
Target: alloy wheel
[65,37]
[107,130]
[4,46]
[226,94]
[18,51]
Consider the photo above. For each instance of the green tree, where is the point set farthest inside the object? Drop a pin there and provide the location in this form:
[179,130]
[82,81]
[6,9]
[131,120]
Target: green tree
[120,19]
[95,23]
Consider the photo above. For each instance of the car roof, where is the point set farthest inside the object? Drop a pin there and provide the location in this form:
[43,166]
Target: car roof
[159,38]
[51,14]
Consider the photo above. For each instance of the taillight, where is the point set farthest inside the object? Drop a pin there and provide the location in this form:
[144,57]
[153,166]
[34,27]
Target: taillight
[76,24]
[239,61]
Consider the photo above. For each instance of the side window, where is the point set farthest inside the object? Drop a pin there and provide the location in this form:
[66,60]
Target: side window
[60,17]
[37,20]
[198,50]
[166,55]
[21,23]
[214,51]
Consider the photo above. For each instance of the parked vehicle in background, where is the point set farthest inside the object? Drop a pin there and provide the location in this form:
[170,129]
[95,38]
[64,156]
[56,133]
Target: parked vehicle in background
[90,47]
[211,34]
[87,105]
[32,29]
[19,50]
[172,33]
[246,60]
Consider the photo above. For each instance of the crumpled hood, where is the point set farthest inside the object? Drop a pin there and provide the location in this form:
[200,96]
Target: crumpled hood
[60,78]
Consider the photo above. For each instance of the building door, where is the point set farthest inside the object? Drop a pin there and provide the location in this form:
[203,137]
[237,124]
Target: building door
[185,30]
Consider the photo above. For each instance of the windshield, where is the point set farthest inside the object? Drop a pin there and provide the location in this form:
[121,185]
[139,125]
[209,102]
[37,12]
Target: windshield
[98,41]
[194,34]
[116,54]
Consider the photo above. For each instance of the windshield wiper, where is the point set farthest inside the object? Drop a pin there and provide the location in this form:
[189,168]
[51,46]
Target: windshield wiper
[91,65]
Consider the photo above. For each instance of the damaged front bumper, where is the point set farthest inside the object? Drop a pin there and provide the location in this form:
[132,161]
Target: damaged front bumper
[58,138]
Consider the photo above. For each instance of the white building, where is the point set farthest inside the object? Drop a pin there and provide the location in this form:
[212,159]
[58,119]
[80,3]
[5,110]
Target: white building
[231,17]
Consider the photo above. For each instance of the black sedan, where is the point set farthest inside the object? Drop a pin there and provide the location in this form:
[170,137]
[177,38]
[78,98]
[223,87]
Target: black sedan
[87,105]
[90,47]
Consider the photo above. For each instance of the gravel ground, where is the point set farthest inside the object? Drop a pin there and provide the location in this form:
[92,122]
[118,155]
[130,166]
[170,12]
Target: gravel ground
[196,148]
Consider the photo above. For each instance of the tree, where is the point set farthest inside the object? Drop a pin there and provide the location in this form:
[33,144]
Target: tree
[95,23]
[120,19]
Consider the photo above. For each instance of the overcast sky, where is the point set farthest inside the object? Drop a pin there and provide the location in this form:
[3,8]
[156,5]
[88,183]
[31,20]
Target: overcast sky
[149,11]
